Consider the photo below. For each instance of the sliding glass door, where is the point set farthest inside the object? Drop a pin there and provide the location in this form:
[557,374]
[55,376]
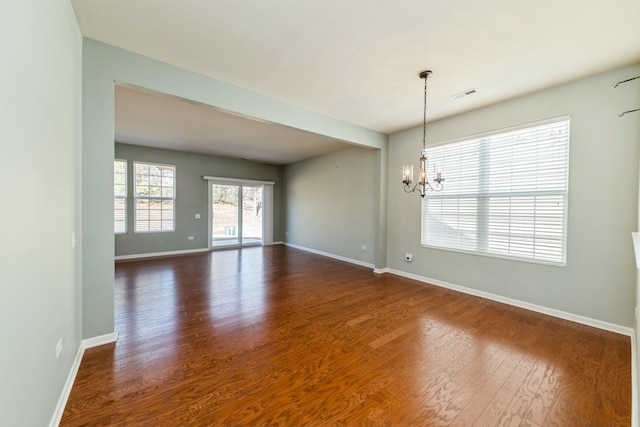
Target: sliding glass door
[236,215]
[251,215]
[225,208]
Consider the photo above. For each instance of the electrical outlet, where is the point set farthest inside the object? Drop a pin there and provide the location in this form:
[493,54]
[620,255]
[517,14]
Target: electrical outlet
[408,257]
[190,237]
[59,348]
[197,216]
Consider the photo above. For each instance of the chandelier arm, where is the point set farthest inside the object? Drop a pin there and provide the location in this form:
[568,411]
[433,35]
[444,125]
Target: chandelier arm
[438,187]
[423,190]
[407,186]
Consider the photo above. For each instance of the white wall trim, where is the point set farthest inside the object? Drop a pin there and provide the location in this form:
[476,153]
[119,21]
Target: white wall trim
[338,257]
[236,180]
[100,340]
[623,330]
[381,270]
[73,372]
[157,254]
[66,391]
[635,238]
[277,243]
[634,382]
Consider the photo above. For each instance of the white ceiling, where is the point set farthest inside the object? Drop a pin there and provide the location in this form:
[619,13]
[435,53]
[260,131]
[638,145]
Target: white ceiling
[358,60]
[147,118]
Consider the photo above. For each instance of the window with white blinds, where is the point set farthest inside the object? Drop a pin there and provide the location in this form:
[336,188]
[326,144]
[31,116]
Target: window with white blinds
[505,194]
[120,196]
[154,194]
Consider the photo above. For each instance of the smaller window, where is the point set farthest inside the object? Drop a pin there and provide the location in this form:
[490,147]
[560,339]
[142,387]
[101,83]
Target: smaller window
[154,193]
[120,196]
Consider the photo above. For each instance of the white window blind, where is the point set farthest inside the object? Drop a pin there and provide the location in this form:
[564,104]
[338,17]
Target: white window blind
[154,193]
[505,194]
[120,196]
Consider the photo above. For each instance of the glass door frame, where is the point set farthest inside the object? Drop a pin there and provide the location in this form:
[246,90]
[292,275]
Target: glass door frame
[267,209]
[237,224]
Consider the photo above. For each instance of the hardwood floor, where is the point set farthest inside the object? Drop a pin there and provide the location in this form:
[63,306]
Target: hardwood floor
[278,336]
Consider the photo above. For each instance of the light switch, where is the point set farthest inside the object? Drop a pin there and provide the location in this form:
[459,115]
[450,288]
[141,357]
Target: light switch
[197,216]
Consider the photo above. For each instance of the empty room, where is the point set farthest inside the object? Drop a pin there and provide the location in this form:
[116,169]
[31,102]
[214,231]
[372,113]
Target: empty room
[320,213]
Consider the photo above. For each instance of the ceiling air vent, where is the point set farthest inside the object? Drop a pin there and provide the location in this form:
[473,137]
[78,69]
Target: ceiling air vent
[464,93]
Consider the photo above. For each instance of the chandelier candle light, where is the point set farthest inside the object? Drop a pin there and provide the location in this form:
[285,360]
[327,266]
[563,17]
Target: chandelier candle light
[407,171]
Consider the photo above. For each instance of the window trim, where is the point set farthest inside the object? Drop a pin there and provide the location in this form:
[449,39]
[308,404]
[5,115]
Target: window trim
[124,198]
[564,193]
[149,198]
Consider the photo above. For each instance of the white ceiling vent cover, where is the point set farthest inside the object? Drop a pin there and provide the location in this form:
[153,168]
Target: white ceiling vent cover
[464,93]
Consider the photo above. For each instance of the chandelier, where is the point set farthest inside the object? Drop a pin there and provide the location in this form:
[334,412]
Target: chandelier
[422,185]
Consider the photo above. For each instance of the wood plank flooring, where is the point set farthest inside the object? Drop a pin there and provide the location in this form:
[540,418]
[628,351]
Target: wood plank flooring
[278,336]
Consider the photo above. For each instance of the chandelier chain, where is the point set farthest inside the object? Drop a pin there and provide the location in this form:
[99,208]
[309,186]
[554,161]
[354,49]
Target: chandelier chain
[424,114]
[422,185]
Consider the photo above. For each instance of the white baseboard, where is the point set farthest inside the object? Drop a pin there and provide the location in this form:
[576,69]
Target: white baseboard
[68,385]
[157,254]
[634,382]
[611,327]
[100,340]
[338,257]
[66,391]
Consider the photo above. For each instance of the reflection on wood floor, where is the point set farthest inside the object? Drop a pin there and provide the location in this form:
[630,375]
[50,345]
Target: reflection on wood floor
[278,336]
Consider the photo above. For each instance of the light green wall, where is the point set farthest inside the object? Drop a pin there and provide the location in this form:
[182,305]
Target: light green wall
[104,64]
[599,279]
[636,325]
[40,88]
[191,198]
[57,179]
[332,202]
